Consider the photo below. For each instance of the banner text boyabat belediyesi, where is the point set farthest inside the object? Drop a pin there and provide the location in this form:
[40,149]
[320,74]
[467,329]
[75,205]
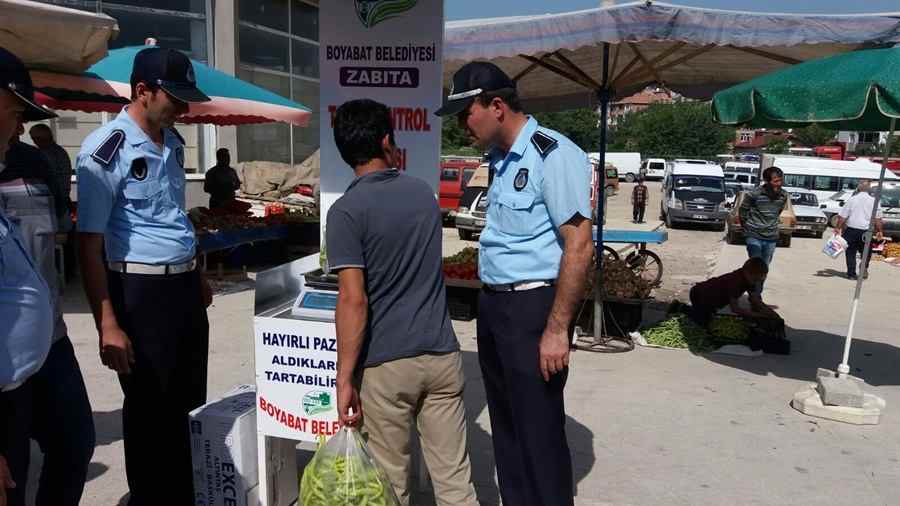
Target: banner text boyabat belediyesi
[407,53]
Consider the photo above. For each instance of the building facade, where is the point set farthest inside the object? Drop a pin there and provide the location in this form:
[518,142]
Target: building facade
[271,43]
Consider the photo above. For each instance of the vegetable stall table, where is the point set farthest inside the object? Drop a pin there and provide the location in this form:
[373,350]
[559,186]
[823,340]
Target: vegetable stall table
[230,239]
[642,261]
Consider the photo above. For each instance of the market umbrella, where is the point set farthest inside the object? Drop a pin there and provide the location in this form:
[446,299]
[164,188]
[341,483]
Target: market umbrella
[105,87]
[54,38]
[591,57]
[852,91]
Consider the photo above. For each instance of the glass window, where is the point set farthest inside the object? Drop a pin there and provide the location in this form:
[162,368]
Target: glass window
[849,183]
[304,20]
[306,140]
[657,166]
[272,82]
[262,49]
[187,35]
[449,174]
[467,175]
[826,183]
[269,13]
[197,6]
[796,181]
[269,142]
[305,58]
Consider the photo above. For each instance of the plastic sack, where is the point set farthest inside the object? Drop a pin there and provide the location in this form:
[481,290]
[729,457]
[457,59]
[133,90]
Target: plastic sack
[344,473]
[834,246]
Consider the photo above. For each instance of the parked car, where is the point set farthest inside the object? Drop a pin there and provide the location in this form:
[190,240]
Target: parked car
[654,168]
[693,193]
[455,174]
[890,208]
[747,181]
[833,205]
[731,191]
[735,233]
[612,176]
[470,217]
[810,218]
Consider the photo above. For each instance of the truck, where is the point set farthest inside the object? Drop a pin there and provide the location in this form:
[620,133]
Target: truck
[628,164]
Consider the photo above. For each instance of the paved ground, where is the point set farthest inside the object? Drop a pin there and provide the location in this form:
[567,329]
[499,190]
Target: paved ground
[649,427]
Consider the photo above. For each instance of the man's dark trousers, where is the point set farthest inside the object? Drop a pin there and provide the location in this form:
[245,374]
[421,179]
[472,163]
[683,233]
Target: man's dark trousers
[856,243]
[638,212]
[165,319]
[528,420]
[63,427]
[15,427]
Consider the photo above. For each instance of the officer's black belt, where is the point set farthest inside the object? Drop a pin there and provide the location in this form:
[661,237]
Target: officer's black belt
[153,270]
[520,286]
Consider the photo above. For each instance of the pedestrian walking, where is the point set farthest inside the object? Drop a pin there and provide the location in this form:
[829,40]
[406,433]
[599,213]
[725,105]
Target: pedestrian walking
[534,257]
[760,216]
[639,197]
[399,366]
[26,311]
[56,155]
[221,180]
[853,223]
[147,295]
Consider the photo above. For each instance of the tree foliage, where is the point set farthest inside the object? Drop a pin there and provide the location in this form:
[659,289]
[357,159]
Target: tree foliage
[582,126]
[777,146]
[683,129]
[813,135]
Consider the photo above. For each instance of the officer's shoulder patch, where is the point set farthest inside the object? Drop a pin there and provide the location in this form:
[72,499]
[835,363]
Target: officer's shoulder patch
[107,149]
[543,142]
[177,134]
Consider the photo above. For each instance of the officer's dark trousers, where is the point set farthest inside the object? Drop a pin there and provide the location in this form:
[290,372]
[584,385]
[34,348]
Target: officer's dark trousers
[53,409]
[528,420]
[15,427]
[166,321]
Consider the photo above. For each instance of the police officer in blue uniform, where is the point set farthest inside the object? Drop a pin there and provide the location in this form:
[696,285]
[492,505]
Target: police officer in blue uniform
[26,309]
[147,295]
[535,253]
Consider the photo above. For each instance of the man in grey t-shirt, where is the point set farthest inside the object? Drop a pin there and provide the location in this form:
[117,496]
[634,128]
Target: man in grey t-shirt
[398,357]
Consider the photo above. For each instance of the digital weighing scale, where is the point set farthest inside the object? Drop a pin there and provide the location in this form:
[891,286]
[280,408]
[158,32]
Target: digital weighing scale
[317,300]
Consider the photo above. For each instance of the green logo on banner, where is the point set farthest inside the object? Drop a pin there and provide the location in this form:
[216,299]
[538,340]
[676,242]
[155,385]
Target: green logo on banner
[372,12]
[316,402]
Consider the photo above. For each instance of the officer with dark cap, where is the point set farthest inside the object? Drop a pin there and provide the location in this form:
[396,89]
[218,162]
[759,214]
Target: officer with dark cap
[535,253]
[26,311]
[147,295]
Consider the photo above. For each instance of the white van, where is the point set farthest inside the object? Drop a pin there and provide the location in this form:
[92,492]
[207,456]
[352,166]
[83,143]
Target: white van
[824,176]
[654,168]
[629,164]
[694,193]
[741,167]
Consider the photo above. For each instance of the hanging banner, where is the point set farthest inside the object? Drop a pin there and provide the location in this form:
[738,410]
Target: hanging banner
[388,51]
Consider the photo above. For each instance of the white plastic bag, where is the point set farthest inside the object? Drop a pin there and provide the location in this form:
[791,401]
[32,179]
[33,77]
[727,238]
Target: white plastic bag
[834,246]
[344,473]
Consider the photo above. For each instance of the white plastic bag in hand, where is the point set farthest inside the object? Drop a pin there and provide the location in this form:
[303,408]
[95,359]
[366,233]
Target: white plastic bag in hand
[834,246]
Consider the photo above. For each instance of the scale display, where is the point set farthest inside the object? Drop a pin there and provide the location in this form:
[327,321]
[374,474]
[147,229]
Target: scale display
[323,301]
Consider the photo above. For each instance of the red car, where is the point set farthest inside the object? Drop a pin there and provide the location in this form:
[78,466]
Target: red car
[455,175]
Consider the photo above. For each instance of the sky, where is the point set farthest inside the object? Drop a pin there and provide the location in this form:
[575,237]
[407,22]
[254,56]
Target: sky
[468,9]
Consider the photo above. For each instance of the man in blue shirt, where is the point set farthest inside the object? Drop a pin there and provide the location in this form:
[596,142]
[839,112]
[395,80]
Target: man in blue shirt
[535,252]
[26,314]
[147,295]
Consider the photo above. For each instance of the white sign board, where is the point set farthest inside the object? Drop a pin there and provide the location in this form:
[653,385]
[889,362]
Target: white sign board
[388,51]
[296,370]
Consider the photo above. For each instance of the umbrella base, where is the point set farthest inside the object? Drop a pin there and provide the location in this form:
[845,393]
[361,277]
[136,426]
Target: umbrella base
[809,402]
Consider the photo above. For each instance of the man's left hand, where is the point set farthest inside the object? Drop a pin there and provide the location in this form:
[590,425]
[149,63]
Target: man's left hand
[554,353]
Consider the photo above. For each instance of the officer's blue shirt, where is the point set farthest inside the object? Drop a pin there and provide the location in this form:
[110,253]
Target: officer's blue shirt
[26,313]
[530,197]
[140,211]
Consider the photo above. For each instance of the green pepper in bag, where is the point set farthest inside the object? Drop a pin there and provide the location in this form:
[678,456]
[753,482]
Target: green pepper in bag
[344,473]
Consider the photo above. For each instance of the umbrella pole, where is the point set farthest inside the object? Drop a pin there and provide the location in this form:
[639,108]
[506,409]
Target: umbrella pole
[603,95]
[844,367]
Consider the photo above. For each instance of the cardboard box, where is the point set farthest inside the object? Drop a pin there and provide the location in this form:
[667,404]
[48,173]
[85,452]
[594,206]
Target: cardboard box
[224,453]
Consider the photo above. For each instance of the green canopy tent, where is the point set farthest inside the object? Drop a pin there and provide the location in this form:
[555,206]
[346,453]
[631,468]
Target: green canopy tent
[859,90]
